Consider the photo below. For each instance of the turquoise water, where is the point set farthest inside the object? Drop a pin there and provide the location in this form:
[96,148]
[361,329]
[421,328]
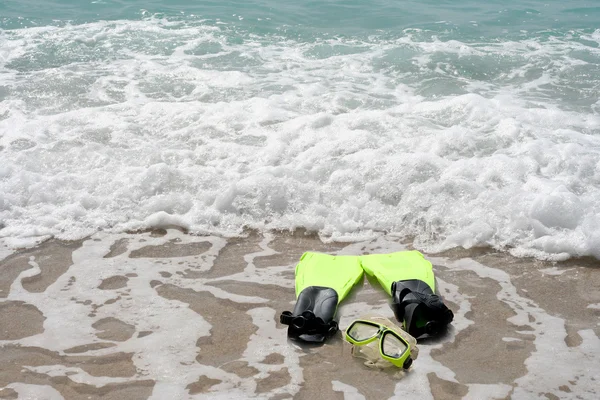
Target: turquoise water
[454,123]
[473,23]
[467,19]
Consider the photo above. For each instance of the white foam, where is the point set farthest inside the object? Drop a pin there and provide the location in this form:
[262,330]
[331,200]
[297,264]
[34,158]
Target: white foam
[349,392]
[477,392]
[5,249]
[554,271]
[168,354]
[68,322]
[35,392]
[156,123]
[550,333]
[77,375]
[274,275]
[269,339]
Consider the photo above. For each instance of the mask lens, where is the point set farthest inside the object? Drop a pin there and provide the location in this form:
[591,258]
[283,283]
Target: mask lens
[360,331]
[393,346]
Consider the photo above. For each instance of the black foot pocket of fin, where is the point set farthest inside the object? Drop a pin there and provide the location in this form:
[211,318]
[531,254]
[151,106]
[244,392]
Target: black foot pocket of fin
[312,318]
[419,309]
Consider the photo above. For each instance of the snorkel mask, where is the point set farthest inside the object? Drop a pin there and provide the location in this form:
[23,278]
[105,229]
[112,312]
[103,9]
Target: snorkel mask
[381,343]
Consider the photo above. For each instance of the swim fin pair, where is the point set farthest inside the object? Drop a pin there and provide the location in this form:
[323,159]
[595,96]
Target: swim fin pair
[323,281]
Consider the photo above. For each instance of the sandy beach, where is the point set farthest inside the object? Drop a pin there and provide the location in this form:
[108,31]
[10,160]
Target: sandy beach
[167,315]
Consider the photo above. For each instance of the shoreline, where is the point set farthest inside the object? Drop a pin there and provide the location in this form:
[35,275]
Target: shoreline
[457,251]
[164,314]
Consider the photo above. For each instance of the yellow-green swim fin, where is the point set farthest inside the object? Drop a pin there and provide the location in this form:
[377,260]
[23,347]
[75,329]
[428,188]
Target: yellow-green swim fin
[322,282]
[408,277]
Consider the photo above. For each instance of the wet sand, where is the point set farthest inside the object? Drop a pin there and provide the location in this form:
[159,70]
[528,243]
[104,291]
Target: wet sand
[165,315]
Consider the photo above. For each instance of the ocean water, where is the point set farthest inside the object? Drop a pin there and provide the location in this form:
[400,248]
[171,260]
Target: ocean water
[451,123]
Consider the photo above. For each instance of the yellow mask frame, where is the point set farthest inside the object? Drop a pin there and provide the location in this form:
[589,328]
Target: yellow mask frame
[392,346]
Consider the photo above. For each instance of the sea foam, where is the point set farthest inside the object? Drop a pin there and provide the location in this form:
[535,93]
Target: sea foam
[130,125]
